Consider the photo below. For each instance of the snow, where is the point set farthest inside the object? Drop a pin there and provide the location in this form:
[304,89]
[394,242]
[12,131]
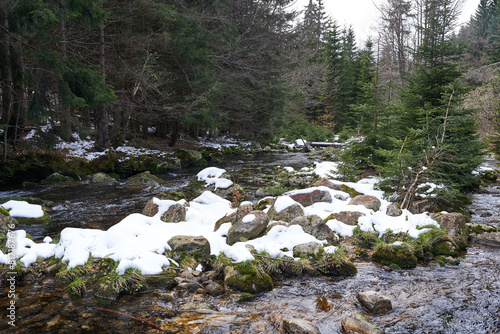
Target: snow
[212,175]
[248,218]
[283,202]
[289,169]
[140,242]
[23,209]
[326,169]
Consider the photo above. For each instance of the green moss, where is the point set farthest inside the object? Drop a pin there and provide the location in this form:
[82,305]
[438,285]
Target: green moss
[248,277]
[363,239]
[353,193]
[402,256]
[337,264]
[44,220]
[245,297]
[4,211]
[78,287]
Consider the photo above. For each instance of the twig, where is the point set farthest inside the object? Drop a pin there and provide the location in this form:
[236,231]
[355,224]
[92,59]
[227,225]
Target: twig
[132,317]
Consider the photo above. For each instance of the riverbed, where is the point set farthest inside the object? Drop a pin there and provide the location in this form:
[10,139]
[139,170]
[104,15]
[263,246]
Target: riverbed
[427,299]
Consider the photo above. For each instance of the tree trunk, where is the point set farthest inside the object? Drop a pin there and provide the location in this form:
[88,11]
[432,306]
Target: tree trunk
[102,139]
[6,82]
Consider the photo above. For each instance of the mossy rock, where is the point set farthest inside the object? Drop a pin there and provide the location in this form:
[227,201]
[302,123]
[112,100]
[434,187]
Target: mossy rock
[446,247]
[247,277]
[105,290]
[44,220]
[402,256]
[57,178]
[190,158]
[145,179]
[101,178]
[337,264]
[489,175]
[164,280]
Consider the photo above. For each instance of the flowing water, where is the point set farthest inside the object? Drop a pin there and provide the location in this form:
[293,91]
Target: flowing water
[427,299]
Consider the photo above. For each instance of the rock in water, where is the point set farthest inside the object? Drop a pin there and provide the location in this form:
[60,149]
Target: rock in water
[374,301]
[358,324]
[299,326]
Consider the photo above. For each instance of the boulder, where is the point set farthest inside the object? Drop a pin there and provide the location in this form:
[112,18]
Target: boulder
[311,197]
[299,326]
[368,201]
[246,277]
[347,217]
[393,210]
[57,178]
[101,178]
[184,245]
[306,250]
[214,289]
[374,301]
[357,324]
[286,209]
[144,180]
[248,227]
[316,227]
[455,225]
[173,212]
[400,256]
[329,184]
[190,157]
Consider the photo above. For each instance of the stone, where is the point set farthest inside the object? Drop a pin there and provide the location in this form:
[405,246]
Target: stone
[368,201]
[306,250]
[214,289]
[316,227]
[347,217]
[57,178]
[101,178]
[197,247]
[311,197]
[393,210]
[288,213]
[374,301]
[144,180]
[190,157]
[245,277]
[248,227]
[357,324]
[425,205]
[188,286]
[162,280]
[455,226]
[484,234]
[400,256]
[329,184]
[175,213]
[299,326]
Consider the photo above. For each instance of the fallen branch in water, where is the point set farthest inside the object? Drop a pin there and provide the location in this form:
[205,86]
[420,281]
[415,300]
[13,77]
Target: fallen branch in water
[132,317]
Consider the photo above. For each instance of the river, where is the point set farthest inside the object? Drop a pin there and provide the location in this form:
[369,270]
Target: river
[427,299]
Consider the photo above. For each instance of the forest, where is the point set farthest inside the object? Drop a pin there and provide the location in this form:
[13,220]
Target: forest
[421,97]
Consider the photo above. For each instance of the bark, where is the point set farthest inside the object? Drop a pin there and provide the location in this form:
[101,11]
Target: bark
[102,140]
[6,82]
